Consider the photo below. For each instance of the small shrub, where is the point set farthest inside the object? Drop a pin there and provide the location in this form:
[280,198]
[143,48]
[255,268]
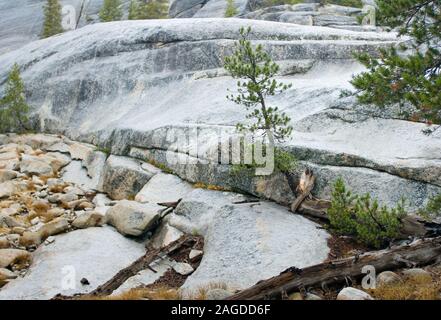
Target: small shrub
[13,107]
[284,161]
[433,208]
[161,166]
[231,10]
[363,218]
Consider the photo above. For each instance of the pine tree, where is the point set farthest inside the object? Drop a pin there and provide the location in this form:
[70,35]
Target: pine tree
[153,9]
[408,75]
[133,10]
[231,10]
[257,70]
[52,19]
[111,11]
[13,107]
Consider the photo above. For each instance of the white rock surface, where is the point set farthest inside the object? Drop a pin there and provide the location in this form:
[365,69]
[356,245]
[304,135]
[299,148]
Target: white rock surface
[77,174]
[95,253]
[387,278]
[245,243]
[164,188]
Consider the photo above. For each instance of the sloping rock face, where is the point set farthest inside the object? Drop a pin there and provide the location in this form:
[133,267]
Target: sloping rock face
[96,254]
[241,238]
[137,87]
[309,12]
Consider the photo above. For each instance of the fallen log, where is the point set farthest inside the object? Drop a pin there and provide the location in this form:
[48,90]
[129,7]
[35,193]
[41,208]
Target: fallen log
[418,253]
[141,264]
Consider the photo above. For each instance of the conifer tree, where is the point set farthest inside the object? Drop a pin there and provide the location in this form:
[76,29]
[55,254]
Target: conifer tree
[153,9]
[13,107]
[110,11]
[408,75]
[133,10]
[52,19]
[256,69]
[231,10]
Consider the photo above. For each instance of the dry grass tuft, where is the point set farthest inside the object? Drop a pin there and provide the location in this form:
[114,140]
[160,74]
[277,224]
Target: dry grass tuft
[40,207]
[141,294]
[31,186]
[4,230]
[201,185]
[58,188]
[201,292]
[415,288]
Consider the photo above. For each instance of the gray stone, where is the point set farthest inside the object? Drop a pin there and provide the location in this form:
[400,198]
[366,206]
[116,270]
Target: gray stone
[95,253]
[350,293]
[95,164]
[7,189]
[54,227]
[9,222]
[387,278]
[416,273]
[88,220]
[6,175]
[164,188]
[68,197]
[195,253]
[101,200]
[183,268]
[165,235]
[133,218]
[35,165]
[123,177]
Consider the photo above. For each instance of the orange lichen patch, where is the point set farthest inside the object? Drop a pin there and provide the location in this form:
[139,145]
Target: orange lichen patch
[201,185]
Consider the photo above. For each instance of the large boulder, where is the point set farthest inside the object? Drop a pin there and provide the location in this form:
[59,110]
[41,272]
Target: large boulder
[132,218]
[96,254]
[124,177]
[246,242]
